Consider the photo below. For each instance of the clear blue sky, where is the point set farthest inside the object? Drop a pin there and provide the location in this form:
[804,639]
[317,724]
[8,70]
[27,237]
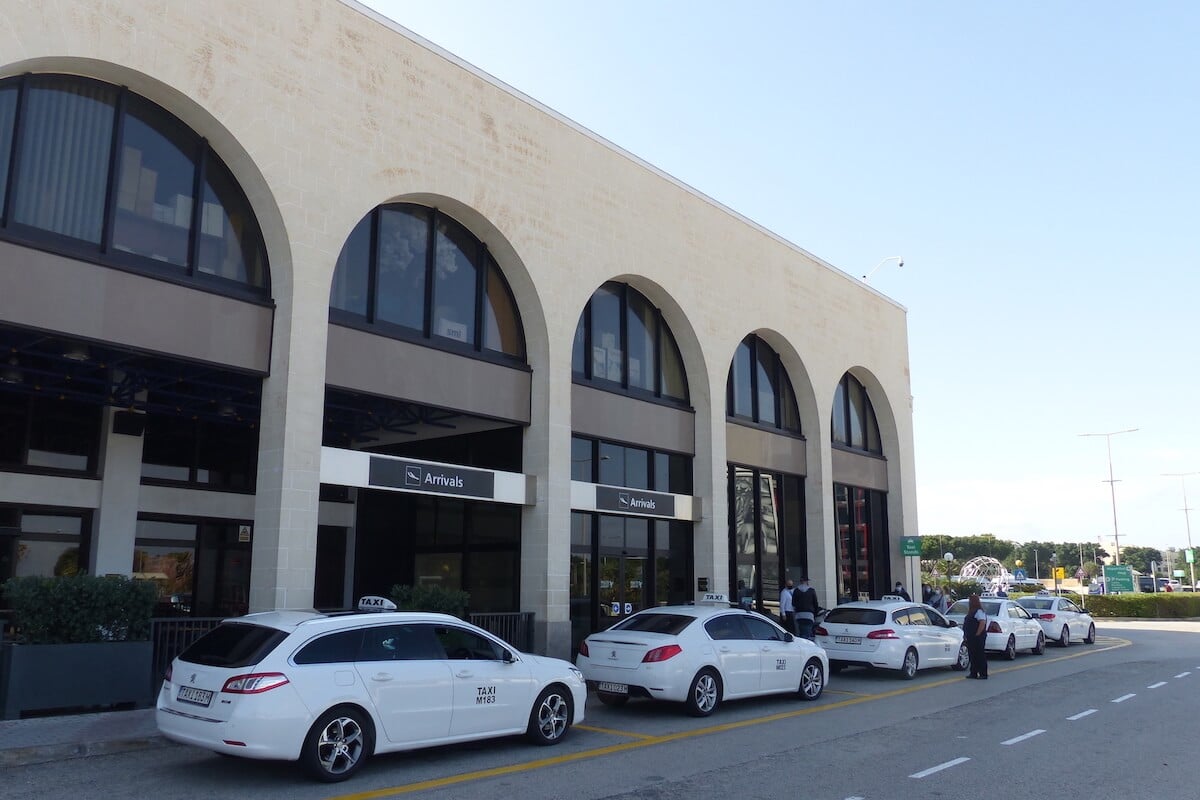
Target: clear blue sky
[1036,164]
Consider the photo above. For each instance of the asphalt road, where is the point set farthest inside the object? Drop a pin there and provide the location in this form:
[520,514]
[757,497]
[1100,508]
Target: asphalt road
[1112,720]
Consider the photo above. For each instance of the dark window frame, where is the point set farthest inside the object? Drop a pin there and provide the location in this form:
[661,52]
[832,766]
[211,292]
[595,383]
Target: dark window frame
[651,466]
[485,265]
[872,438]
[103,253]
[754,343]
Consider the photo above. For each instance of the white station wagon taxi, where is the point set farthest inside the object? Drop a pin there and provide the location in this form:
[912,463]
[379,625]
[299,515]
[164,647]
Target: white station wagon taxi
[891,633]
[332,690]
[700,655]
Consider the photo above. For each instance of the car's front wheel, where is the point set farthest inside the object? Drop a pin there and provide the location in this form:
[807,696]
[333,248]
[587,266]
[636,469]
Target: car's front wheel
[1010,649]
[1040,647]
[1065,639]
[704,695]
[1091,635]
[812,680]
[908,669]
[338,744]
[964,658]
[551,716]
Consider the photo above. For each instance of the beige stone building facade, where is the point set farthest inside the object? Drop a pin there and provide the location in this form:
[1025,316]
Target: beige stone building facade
[213,377]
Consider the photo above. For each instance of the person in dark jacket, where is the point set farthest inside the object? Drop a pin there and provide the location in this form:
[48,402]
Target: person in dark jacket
[899,591]
[805,608]
[975,635]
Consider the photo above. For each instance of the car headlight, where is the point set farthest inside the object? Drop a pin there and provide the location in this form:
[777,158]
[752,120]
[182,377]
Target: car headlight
[577,673]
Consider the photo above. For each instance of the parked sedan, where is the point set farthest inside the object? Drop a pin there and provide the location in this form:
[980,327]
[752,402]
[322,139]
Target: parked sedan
[1061,619]
[1010,626]
[332,690]
[893,634]
[700,655]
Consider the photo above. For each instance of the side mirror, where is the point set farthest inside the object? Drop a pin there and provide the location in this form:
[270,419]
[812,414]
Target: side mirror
[953,624]
[787,637]
[507,656]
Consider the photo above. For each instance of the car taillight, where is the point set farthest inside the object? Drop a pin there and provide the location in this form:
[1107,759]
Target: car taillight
[886,633]
[254,683]
[168,673]
[994,627]
[662,653]
[1045,616]
[820,631]
[583,651]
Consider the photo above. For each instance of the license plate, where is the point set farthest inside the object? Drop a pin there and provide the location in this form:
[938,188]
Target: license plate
[848,639]
[612,688]
[189,694]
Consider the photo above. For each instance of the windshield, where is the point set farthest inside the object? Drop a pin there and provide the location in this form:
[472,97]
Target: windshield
[233,644]
[857,616]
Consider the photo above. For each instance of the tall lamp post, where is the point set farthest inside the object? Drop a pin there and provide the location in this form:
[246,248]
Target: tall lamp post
[1112,491]
[1183,476]
[899,263]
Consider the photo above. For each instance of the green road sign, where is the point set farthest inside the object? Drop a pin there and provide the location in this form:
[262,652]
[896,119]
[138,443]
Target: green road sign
[1190,555]
[1118,578]
[910,546]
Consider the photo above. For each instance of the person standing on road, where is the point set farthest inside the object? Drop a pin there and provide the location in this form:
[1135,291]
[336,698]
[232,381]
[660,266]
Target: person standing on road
[936,600]
[975,635]
[805,607]
[899,591]
[787,611]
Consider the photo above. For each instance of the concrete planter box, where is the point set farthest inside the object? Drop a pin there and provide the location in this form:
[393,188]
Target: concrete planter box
[47,677]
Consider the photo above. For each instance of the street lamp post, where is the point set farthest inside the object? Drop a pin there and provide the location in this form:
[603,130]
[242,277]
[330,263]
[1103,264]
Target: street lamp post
[1111,488]
[1186,520]
[899,263]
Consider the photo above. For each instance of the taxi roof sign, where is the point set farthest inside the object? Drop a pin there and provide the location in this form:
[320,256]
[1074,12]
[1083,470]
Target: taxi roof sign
[714,599]
[373,602]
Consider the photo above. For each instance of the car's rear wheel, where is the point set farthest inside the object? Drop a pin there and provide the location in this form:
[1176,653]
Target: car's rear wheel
[338,744]
[1091,635]
[551,716]
[908,669]
[1010,649]
[964,658]
[812,680]
[1040,647]
[704,695]
[1065,639]
[610,699]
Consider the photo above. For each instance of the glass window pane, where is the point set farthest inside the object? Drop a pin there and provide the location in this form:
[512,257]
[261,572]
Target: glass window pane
[65,149]
[577,349]
[739,376]
[873,443]
[612,464]
[494,580]
[766,383]
[637,468]
[606,333]
[502,324]
[455,275]
[8,113]
[840,434]
[400,286]
[227,456]
[14,413]
[674,380]
[168,448]
[769,502]
[641,325]
[351,276]
[63,434]
[581,459]
[857,415]
[171,568]
[231,245]
[788,411]
[156,185]
[745,541]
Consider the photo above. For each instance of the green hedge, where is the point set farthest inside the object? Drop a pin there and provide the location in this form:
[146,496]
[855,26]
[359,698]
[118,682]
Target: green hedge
[431,597]
[1156,605]
[80,608]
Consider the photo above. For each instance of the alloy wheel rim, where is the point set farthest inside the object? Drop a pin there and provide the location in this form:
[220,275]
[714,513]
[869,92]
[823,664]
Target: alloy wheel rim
[812,680]
[552,717]
[706,693]
[340,745]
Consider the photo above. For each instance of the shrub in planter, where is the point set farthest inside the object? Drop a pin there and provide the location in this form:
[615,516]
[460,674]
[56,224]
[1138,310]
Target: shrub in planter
[80,608]
[1156,605]
[431,598]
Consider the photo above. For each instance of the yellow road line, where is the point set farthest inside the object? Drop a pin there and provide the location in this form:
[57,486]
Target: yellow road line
[647,740]
[630,734]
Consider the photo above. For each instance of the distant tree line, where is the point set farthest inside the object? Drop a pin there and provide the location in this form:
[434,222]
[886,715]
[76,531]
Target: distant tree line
[1036,558]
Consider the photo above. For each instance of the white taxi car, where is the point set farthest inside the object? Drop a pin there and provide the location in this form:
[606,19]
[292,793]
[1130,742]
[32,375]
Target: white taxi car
[700,655]
[332,690]
[1010,627]
[892,633]
[1061,619]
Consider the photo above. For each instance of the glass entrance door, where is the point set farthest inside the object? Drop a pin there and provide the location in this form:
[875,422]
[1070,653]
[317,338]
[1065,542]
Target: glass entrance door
[622,585]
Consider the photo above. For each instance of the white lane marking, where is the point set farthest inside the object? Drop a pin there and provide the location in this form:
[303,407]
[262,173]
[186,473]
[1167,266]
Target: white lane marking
[1124,697]
[927,772]
[1082,714]
[1156,685]
[855,797]
[1183,675]
[1024,736]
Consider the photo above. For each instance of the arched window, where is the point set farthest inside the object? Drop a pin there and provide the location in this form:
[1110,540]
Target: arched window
[412,272]
[758,389]
[622,341]
[92,170]
[854,424]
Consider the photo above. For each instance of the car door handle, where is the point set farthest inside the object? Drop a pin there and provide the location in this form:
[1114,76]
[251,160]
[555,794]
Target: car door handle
[725,650]
[465,673]
[382,677]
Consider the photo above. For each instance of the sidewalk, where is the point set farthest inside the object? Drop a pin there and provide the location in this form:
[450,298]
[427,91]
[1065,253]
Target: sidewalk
[41,739]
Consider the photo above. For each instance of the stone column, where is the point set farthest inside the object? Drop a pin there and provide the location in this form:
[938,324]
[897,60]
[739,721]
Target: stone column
[115,526]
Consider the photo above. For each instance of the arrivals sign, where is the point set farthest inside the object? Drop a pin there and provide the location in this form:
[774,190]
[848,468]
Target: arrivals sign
[422,476]
[635,501]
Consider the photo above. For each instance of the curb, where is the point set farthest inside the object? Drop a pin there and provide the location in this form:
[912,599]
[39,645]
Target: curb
[40,754]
